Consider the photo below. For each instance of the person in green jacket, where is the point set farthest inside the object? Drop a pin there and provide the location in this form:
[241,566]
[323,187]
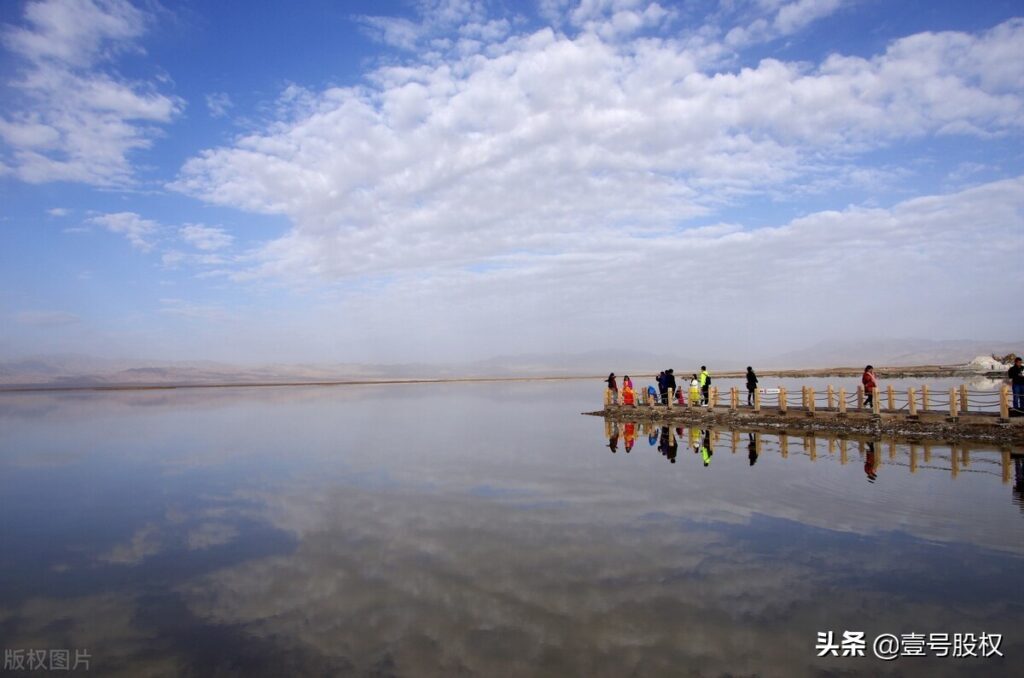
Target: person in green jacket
[705,448]
[705,384]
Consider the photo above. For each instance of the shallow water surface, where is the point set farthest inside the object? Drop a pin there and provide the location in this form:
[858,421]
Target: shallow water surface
[488,529]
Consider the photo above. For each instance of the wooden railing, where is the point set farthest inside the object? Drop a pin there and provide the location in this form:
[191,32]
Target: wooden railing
[958,401]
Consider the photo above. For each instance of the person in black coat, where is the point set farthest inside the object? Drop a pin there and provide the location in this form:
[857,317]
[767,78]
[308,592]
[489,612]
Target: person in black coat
[751,386]
[613,387]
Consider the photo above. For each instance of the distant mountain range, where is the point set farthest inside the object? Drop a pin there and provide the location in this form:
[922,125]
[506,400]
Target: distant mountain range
[893,352]
[72,370]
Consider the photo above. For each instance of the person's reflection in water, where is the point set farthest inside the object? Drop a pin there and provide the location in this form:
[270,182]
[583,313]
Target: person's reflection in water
[871,463]
[751,449]
[629,433]
[652,436]
[668,446]
[705,447]
[613,439]
[1018,479]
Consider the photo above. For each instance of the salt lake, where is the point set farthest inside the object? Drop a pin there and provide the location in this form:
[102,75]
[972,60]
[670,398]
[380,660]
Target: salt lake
[489,529]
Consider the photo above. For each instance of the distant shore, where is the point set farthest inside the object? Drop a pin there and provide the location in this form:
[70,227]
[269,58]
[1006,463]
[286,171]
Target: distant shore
[891,372]
[26,388]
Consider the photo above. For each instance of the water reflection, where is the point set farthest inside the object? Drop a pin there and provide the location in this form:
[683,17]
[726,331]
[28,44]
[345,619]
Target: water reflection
[955,458]
[668,445]
[268,535]
[871,463]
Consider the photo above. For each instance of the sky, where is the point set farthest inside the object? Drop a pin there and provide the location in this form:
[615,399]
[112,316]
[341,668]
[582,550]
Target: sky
[448,180]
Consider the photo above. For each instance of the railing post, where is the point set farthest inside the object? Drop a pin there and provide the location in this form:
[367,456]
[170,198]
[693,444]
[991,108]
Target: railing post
[734,398]
[831,397]
[607,397]
[912,401]
[892,400]
[714,397]
[963,398]
[1004,402]
[671,397]
[842,400]
[810,399]
[757,400]
[860,397]
[924,397]
[782,399]
[952,402]
[876,405]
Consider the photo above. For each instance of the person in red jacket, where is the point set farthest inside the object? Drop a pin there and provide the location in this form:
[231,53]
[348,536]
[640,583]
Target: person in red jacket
[870,382]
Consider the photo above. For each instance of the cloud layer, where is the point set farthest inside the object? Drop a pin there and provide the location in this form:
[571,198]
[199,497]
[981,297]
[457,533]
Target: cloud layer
[543,142]
[493,180]
[75,118]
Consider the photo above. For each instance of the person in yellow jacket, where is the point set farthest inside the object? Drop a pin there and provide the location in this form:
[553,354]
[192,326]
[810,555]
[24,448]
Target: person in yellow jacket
[705,448]
[694,391]
[705,384]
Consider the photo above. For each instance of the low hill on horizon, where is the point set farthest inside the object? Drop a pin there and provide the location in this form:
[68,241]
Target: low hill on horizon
[74,370]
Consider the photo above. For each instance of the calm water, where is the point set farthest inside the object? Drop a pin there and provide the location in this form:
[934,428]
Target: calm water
[486,529]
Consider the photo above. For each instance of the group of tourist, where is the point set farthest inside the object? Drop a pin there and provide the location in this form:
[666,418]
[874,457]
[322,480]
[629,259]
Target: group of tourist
[700,385]
[699,391]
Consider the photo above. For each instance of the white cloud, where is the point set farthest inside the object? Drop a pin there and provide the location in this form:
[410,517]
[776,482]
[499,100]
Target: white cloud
[438,18]
[75,31]
[58,211]
[206,238]
[554,142]
[912,269]
[796,15]
[75,119]
[785,19]
[139,231]
[218,103]
[613,19]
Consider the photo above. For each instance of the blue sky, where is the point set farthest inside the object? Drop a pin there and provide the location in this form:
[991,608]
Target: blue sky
[448,179]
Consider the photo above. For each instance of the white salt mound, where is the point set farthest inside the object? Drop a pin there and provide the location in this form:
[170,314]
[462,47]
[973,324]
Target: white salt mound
[985,363]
